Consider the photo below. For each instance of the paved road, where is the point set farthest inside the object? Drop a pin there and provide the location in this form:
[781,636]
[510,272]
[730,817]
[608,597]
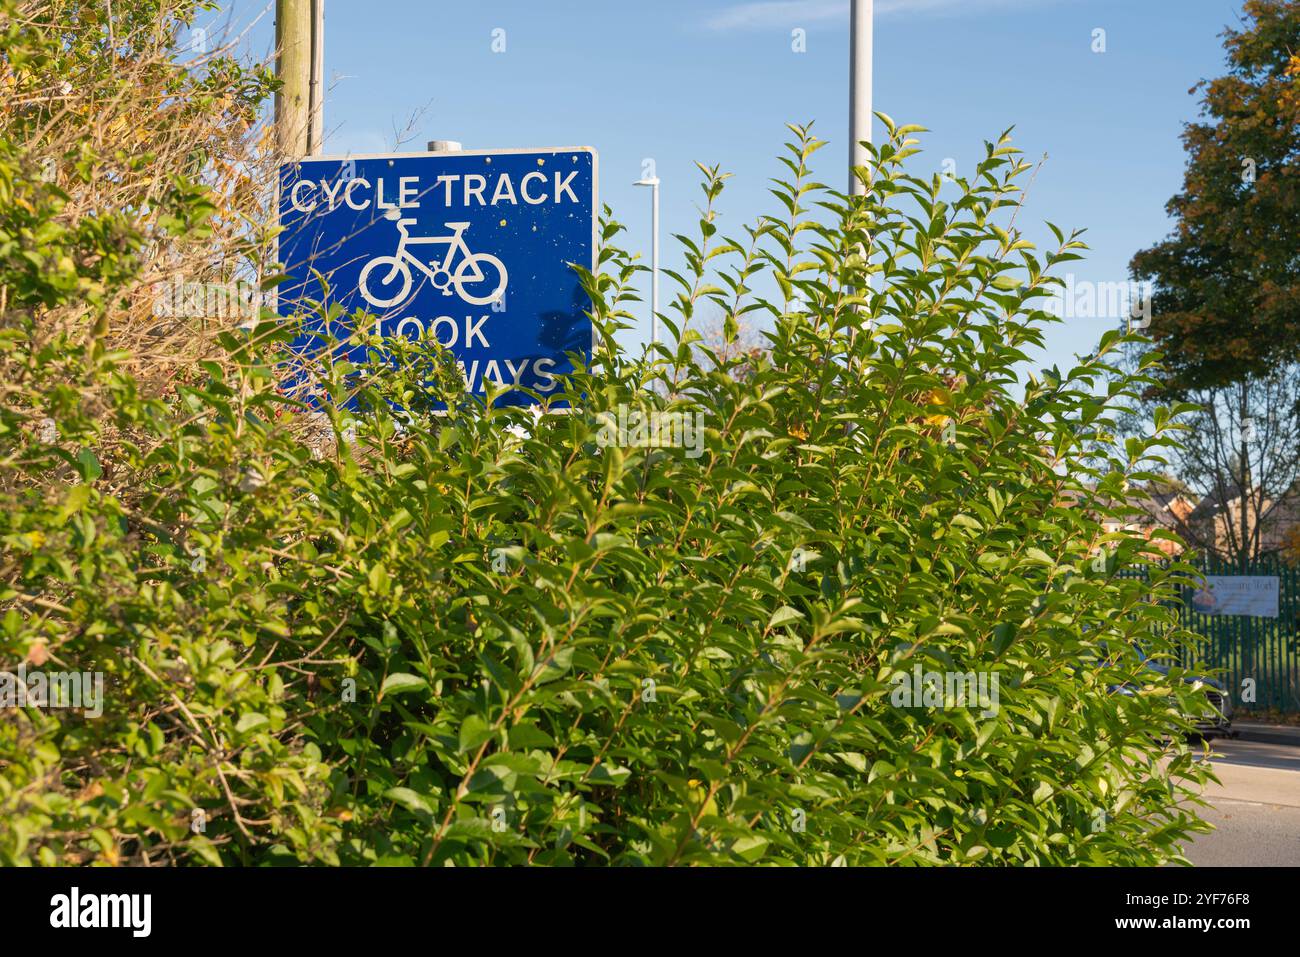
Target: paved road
[1256,809]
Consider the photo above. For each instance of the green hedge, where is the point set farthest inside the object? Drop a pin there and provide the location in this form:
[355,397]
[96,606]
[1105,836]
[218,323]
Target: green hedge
[483,637]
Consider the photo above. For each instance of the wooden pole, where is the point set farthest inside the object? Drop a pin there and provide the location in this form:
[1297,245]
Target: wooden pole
[293,23]
[316,140]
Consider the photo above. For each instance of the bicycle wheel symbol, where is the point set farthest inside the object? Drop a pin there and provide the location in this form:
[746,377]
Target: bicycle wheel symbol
[392,288]
[470,273]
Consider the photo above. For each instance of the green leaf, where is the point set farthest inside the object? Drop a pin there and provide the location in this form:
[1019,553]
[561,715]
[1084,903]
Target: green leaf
[90,467]
[250,721]
[410,800]
[784,615]
[474,731]
[400,682]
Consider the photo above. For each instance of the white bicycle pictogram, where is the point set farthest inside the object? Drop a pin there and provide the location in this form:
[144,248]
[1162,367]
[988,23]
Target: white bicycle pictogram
[468,272]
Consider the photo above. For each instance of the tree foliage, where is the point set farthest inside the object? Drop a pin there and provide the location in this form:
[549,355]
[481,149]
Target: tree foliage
[1227,281]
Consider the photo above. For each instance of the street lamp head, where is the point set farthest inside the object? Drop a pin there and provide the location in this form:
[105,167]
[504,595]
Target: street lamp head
[652,181]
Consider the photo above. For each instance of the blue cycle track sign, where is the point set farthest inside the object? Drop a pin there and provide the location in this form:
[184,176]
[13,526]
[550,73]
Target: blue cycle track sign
[473,248]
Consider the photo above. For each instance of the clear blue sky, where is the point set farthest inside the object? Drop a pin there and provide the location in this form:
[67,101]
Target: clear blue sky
[713,80]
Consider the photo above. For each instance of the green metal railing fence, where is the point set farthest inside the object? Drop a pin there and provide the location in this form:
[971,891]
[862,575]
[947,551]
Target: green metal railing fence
[1259,655]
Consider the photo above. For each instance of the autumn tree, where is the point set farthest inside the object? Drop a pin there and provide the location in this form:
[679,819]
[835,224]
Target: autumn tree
[1227,280]
[1226,291]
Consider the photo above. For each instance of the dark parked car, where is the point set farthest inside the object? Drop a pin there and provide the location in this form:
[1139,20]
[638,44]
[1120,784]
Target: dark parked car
[1215,718]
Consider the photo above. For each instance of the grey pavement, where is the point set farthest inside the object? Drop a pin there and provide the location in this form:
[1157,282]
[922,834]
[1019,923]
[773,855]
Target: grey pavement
[1268,733]
[1256,808]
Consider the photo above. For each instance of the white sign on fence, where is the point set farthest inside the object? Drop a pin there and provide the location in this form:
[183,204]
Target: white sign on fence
[1237,595]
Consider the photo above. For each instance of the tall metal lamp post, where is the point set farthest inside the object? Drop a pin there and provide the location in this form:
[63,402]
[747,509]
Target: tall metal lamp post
[653,183]
[860,43]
